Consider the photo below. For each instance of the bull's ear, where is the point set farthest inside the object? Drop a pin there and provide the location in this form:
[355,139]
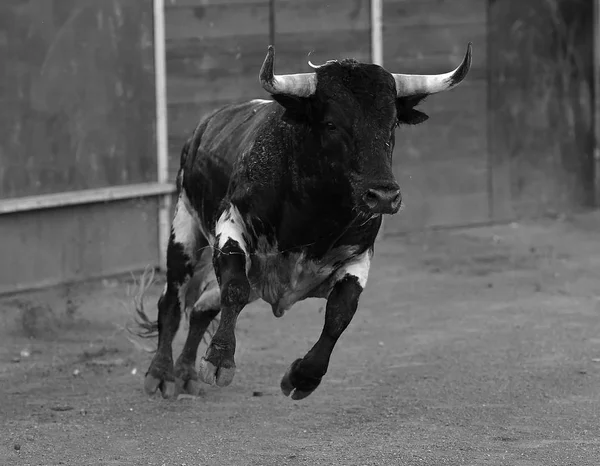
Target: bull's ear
[406,112]
[297,108]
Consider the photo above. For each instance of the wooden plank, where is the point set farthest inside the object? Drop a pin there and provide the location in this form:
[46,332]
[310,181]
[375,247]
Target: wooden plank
[55,246]
[88,196]
[332,16]
[400,14]
[218,20]
[172,4]
[215,58]
[65,108]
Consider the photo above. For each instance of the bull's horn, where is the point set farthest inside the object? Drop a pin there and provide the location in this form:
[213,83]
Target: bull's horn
[301,85]
[316,67]
[415,84]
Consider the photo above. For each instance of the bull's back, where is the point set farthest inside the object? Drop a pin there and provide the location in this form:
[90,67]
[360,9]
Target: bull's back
[210,156]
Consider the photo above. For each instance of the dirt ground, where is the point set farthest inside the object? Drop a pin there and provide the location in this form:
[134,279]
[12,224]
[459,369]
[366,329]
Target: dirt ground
[474,347]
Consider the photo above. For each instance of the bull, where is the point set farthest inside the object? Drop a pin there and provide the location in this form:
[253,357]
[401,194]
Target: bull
[287,197]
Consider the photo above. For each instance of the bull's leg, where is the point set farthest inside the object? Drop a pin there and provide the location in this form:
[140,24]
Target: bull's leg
[182,252]
[229,261]
[304,375]
[205,309]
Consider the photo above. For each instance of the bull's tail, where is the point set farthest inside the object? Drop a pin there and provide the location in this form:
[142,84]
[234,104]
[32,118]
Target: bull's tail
[144,326]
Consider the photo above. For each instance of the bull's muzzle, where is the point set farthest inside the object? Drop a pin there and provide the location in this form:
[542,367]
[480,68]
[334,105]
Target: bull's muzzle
[383,199]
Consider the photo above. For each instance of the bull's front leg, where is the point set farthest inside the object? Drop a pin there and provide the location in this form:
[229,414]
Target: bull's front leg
[230,261]
[304,375]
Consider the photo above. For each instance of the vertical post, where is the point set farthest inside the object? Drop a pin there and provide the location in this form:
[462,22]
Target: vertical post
[272,22]
[162,141]
[377,55]
[376,32]
[596,110]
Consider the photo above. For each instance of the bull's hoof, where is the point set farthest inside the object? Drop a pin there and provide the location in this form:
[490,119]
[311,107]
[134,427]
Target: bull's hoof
[186,379]
[221,375]
[189,387]
[298,381]
[153,383]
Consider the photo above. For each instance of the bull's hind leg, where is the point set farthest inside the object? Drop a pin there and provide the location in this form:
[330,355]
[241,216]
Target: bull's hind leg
[182,252]
[305,374]
[229,261]
[204,308]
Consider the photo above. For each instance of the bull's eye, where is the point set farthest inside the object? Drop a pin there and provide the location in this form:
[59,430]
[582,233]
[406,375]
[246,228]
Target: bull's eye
[330,126]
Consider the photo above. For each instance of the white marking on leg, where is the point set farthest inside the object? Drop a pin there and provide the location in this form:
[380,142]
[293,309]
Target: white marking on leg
[230,226]
[358,268]
[185,229]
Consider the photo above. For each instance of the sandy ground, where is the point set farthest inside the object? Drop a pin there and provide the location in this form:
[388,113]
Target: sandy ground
[474,347]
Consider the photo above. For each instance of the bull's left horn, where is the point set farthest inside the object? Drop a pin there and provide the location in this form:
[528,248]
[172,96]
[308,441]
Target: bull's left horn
[415,84]
[300,85]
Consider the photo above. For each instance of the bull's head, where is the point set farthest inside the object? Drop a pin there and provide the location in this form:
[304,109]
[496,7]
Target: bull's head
[353,110]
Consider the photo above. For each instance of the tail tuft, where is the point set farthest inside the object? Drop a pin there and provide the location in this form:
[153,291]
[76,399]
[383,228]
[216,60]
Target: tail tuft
[145,327]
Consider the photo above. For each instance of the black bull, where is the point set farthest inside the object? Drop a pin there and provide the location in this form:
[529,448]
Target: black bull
[287,195]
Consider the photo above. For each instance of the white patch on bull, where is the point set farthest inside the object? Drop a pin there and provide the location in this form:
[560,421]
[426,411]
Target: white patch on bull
[185,228]
[358,268]
[284,279]
[231,226]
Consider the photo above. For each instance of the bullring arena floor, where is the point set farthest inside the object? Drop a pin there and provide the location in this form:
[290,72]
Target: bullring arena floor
[475,347]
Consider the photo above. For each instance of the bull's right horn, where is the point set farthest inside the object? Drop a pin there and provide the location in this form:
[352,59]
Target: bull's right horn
[300,85]
[414,84]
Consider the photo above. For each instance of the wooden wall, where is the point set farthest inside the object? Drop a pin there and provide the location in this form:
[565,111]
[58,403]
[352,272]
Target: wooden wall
[442,164]
[77,111]
[55,246]
[541,104]
[77,95]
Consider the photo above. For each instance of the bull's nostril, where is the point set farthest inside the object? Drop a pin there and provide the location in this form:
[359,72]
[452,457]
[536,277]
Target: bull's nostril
[371,198]
[383,201]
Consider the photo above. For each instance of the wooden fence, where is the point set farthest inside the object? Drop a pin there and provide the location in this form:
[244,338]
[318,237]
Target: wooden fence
[79,185]
[87,166]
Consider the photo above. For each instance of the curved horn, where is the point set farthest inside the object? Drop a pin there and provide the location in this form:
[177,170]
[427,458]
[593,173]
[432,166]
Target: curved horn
[301,85]
[415,84]
[316,67]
